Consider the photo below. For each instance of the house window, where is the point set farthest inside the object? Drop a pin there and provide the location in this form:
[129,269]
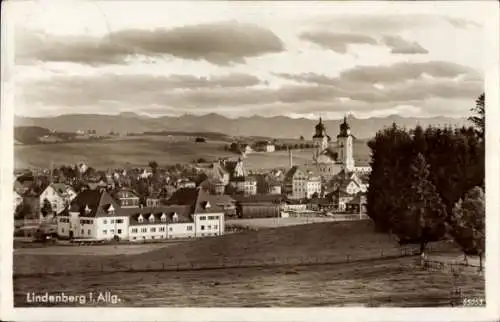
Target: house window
[152,237]
[202,227]
[83,232]
[119,221]
[104,232]
[112,231]
[119,231]
[105,221]
[169,228]
[203,218]
[112,221]
[189,228]
[89,232]
[153,229]
[162,229]
[62,230]
[134,230]
[144,230]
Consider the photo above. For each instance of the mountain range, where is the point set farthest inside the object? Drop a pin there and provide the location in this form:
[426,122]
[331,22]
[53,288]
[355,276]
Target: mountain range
[272,127]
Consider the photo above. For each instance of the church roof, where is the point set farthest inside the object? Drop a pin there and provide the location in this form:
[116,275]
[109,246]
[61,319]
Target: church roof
[320,130]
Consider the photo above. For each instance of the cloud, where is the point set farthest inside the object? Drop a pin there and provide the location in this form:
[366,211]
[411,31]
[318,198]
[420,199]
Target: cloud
[337,42]
[400,46]
[388,23]
[218,43]
[401,84]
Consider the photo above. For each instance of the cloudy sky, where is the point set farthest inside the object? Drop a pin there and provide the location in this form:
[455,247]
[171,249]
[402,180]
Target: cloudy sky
[240,59]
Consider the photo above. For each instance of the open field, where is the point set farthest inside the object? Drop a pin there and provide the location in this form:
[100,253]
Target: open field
[276,222]
[138,151]
[303,265]
[325,242]
[395,282]
[92,250]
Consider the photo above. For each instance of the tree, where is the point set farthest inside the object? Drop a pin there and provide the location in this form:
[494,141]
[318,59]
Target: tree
[467,223]
[425,213]
[46,207]
[23,210]
[153,165]
[479,118]
[200,140]
[302,138]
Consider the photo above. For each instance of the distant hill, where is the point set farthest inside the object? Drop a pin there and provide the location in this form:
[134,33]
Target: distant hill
[272,127]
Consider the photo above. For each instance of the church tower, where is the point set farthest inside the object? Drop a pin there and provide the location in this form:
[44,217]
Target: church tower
[320,139]
[345,145]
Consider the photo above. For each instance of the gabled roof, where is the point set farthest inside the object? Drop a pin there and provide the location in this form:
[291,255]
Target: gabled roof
[293,170]
[61,188]
[97,201]
[264,198]
[183,215]
[196,198]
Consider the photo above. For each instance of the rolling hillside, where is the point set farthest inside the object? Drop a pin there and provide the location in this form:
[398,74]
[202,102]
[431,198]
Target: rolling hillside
[138,151]
[272,127]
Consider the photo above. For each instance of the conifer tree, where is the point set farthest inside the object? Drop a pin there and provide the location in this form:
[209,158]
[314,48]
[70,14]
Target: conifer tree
[425,212]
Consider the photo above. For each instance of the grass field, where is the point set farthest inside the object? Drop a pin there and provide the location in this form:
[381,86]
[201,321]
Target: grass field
[389,283]
[138,151]
[276,222]
[92,250]
[370,281]
[332,241]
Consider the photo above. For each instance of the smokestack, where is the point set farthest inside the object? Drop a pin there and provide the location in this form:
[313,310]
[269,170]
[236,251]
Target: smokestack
[291,157]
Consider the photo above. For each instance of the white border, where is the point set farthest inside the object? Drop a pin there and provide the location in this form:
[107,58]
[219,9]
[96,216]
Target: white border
[490,313]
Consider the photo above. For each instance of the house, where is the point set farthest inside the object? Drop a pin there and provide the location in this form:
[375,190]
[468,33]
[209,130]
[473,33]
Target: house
[164,222]
[264,146]
[268,184]
[93,214]
[301,184]
[217,171]
[340,199]
[245,185]
[153,200]
[357,205]
[126,198]
[208,217]
[59,195]
[213,186]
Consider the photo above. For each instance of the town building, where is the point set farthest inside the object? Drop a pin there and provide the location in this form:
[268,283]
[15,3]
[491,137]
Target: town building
[207,216]
[239,180]
[301,184]
[164,222]
[93,214]
[126,198]
[58,195]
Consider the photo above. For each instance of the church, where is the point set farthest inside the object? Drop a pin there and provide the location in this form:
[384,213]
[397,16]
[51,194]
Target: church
[329,157]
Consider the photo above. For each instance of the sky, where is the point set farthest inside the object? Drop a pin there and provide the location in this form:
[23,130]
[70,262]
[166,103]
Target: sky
[242,59]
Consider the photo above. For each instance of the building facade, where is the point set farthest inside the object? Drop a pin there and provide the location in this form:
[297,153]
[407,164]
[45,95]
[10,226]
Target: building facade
[59,195]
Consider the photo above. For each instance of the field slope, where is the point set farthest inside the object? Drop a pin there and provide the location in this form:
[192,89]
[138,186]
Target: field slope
[320,242]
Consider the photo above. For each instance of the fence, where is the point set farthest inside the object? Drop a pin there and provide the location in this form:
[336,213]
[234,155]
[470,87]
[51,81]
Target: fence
[77,267]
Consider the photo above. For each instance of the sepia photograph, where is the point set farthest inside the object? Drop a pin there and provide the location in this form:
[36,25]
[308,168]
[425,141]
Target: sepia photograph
[249,154]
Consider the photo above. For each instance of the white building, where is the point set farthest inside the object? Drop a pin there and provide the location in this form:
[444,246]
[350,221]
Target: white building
[59,196]
[93,214]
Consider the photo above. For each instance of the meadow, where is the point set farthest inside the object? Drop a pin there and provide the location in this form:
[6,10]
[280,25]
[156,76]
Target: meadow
[138,151]
[321,264]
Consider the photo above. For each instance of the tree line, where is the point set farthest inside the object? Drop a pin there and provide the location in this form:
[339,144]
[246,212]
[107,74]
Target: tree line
[428,184]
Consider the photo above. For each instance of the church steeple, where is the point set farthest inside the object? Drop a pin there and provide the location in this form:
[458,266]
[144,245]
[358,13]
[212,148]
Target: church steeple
[345,129]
